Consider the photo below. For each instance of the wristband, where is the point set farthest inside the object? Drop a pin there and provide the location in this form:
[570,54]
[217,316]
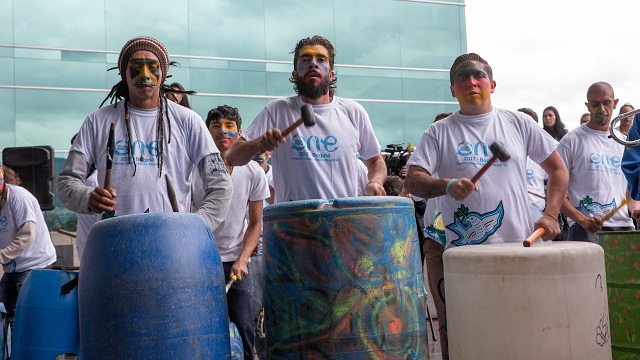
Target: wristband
[449,185]
[551,216]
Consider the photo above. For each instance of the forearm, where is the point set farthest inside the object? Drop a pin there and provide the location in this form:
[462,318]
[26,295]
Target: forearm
[376,169]
[250,241]
[242,152]
[570,211]
[217,188]
[421,184]
[22,240]
[72,189]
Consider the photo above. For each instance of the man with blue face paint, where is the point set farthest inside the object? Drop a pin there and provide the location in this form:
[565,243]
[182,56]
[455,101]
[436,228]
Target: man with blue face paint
[597,184]
[320,161]
[238,235]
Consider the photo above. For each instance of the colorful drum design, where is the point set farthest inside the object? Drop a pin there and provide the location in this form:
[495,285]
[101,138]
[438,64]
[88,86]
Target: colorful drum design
[343,280]
[46,323]
[152,287]
[622,262]
[506,301]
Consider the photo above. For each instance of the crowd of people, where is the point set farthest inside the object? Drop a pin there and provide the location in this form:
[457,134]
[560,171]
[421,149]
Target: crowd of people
[227,175]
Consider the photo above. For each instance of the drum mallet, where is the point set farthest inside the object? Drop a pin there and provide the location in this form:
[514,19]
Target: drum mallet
[610,214]
[230,282]
[306,116]
[499,153]
[110,152]
[538,233]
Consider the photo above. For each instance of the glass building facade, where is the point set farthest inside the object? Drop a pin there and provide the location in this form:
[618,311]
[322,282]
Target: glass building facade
[393,57]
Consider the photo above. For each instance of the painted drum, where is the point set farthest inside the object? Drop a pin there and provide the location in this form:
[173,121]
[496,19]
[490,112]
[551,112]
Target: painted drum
[622,263]
[237,351]
[505,301]
[152,287]
[343,280]
[46,323]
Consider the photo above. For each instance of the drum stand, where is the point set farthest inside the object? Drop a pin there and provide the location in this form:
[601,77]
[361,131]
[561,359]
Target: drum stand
[426,302]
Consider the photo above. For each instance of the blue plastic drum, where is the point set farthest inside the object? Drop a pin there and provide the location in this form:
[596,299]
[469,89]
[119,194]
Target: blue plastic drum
[343,280]
[46,323]
[152,287]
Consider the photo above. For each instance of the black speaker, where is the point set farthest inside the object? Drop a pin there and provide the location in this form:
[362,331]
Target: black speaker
[35,165]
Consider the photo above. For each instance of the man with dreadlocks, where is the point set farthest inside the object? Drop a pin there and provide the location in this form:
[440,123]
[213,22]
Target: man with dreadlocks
[154,138]
[321,162]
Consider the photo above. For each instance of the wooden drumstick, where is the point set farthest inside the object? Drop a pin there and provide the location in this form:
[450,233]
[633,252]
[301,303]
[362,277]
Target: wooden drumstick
[612,212]
[306,116]
[538,233]
[541,196]
[110,153]
[172,195]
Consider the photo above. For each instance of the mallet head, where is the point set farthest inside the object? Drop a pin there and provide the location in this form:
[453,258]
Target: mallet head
[499,152]
[307,115]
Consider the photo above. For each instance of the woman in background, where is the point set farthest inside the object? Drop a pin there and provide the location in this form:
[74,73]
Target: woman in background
[552,123]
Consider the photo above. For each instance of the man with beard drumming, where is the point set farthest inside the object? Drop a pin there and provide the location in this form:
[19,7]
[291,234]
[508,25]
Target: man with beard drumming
[320,161]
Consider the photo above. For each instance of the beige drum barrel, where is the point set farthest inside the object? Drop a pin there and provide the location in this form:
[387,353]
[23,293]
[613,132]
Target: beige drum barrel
[505,301]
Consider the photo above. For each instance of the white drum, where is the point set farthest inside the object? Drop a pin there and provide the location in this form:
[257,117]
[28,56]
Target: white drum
[505,301]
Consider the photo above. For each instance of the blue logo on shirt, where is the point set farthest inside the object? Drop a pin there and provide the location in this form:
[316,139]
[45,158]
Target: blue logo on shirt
[589,207]
[314,147]
[3,223]
[474,228]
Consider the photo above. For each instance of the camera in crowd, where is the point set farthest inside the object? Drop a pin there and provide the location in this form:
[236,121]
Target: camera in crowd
[396,158]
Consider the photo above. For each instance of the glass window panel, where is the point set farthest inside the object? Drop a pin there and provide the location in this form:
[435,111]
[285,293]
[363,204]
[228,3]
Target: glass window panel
[369,87]
[37,54]
[284,20]
[60,73]
[166,21]
[52,117]
[227,28]
[278,84]
[66,24]
[248,107]
[430,34]
[83,56]
[427,90]
[6,22]
[7,109]
[367,32]
[6,77]
[228,81]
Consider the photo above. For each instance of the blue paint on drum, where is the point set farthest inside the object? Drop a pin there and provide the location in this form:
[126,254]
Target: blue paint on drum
[152,287]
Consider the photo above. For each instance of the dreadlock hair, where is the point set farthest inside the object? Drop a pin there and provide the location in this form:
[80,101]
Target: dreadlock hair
[316,40]
[469,57]
[121,91]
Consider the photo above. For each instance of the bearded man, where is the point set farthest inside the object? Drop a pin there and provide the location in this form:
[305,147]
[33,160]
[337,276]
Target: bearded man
[324,155]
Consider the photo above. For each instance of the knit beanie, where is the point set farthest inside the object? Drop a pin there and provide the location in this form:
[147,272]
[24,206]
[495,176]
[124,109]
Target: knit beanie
[141,43]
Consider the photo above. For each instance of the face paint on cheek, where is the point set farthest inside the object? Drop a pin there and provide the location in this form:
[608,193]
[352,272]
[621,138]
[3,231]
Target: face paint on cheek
[304,66]
[144,72]
[230,131]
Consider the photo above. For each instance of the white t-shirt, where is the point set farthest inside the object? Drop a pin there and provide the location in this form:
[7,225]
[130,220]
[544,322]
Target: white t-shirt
[535,181]
[19,208]
[249,184]
[320,161]
[86,221]
[363,177]
[190,142]
[457,147]
[596,182]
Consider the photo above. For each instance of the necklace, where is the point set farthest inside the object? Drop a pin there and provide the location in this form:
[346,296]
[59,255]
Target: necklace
[135,126]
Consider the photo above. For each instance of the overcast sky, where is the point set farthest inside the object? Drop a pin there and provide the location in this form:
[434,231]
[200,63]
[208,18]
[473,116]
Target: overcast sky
[548,52]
